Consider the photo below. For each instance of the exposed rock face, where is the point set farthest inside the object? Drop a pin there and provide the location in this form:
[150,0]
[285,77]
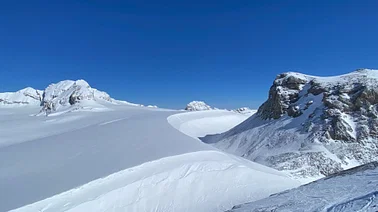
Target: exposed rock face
[197,106]
[310,125]
[284,91]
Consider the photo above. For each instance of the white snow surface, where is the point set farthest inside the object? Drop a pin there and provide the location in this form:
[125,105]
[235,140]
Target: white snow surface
[353,190]
[177,183]
[201,123]
[126,158]
[368,76]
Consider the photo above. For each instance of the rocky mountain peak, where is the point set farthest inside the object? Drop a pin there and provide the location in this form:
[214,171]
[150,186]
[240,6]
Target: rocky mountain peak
[197,106]
[311,125]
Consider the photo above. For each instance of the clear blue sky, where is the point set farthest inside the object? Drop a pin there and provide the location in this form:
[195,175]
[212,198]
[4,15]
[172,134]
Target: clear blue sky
[168,53]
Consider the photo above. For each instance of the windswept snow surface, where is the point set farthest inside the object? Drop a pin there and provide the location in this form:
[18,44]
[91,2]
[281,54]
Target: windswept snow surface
[127,158]
[198,181]
[349,191]
[201,123]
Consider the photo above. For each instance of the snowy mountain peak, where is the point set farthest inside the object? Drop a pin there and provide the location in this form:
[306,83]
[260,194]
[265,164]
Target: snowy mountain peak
[289,87]
[64,96]
[311,126]
[26,96]
[197,106]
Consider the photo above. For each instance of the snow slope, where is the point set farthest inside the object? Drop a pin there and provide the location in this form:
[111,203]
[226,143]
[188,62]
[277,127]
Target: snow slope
[119,159]
[201,123]
[177,183]
[349,191]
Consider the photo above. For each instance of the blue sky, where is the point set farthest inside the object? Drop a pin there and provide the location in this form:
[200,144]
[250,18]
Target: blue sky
[168,53]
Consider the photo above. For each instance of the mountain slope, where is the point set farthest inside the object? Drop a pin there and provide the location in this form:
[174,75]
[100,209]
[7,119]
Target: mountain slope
[348,191]
[311,126]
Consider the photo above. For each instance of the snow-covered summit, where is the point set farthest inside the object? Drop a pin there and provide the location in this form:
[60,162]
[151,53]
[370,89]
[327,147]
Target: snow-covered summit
[197,106]
[311,126]
[26,96]
[67,93]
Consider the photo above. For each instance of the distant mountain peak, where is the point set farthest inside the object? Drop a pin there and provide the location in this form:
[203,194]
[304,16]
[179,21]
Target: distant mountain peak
[26,96]
[66,95]
[197,106]
[245,111]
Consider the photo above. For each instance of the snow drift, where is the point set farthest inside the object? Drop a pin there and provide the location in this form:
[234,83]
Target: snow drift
[201,123]
[177,183]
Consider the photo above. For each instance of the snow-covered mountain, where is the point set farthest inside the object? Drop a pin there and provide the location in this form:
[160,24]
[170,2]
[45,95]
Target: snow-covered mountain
[197,106]
[245,111]
[348,191]
[26,96]
[64,96]
[311,126]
